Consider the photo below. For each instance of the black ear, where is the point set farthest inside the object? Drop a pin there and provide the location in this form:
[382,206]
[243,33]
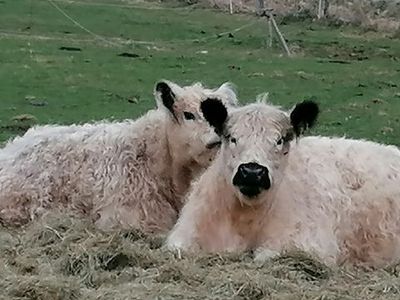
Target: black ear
[303,116]
[215,113]
[167,96]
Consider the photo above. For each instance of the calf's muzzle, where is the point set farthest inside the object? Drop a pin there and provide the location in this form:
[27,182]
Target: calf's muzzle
[251,179]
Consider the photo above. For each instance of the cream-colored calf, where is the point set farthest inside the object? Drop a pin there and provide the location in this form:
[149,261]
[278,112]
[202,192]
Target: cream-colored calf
[124,174]
[269,190]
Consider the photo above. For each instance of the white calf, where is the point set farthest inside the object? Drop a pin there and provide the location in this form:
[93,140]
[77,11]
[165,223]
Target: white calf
[269,190]
[126,174]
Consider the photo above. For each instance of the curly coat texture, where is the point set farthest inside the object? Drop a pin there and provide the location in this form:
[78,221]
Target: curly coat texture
[129,174]
[334,197]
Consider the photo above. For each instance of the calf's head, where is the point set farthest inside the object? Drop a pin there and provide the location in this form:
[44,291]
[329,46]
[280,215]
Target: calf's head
[256,142]
[191,138]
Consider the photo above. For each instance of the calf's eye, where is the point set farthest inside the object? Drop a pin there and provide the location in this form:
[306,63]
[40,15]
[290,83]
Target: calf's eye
[188,115]
[233,140]
[280,141]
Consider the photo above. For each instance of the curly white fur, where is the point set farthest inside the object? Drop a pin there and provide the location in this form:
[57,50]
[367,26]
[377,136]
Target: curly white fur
[126,174]
[337,198]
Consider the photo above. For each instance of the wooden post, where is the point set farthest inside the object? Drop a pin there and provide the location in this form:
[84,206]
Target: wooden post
[259,7]
[272,25]
[230,7]
[280,36]
[270,33]
[320,9]
[326,7]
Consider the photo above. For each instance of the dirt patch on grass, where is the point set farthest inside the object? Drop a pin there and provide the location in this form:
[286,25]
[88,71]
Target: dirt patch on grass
[61,257]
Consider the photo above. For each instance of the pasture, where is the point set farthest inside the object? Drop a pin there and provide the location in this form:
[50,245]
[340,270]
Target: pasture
[96,60]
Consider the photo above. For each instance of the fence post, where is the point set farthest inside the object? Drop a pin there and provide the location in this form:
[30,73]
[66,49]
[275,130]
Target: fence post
[280,36]
[326,7]
[260,6]
[270,33]
[321,9]
[230,7]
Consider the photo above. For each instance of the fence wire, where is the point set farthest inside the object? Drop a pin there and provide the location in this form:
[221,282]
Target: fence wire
[211,39]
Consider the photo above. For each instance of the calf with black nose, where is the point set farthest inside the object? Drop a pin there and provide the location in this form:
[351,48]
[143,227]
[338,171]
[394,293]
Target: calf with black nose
[253,157]
[269,190]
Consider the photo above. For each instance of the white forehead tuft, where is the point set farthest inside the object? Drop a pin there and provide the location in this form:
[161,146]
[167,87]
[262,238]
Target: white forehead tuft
[258,116]
[263,98]
[258,108]
[227,87]
[196,86]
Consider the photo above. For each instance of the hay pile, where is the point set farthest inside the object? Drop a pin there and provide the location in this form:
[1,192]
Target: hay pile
[62,257]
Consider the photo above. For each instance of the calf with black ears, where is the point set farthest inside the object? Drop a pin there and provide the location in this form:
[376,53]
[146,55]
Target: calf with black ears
[270,189]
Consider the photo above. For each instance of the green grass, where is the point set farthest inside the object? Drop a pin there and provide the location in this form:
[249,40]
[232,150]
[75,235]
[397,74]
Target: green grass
[360,98]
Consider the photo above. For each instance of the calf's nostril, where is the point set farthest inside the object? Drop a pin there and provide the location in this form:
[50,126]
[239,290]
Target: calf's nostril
[243,170]
[261,172]
[254,170]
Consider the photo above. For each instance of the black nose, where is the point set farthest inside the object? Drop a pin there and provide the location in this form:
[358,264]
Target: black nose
[251,179]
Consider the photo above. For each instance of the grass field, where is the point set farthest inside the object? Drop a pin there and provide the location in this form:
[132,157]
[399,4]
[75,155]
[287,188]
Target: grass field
[359,94]
[53,71]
